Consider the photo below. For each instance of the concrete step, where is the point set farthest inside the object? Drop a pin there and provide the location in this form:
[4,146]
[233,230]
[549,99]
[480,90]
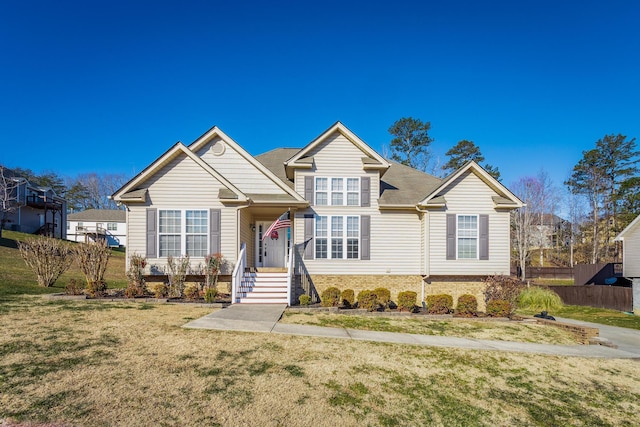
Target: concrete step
[263,300]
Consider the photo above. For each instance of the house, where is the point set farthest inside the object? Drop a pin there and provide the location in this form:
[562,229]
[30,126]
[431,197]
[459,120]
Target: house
[630,238]
[93,224]
[358,220]
[34,209]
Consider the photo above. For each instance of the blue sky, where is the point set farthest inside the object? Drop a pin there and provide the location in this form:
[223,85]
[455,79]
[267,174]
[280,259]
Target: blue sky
[108,86]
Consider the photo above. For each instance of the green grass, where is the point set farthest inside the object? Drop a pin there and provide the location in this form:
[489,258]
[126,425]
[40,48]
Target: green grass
[602,316]
[17,279]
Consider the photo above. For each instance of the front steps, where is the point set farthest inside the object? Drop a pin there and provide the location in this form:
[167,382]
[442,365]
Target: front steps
[263,287]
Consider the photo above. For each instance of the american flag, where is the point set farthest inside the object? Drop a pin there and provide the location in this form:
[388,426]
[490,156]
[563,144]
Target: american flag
[283,221]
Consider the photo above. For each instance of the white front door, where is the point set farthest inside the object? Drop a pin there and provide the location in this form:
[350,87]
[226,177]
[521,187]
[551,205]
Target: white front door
[272,251]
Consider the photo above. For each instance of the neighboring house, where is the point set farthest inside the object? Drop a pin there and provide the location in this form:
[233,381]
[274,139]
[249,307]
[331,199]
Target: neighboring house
[553,231]
[630,238]
[358,220]
[39,210]
[93,224]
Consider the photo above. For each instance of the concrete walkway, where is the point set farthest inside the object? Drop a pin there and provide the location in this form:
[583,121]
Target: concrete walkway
[264,318]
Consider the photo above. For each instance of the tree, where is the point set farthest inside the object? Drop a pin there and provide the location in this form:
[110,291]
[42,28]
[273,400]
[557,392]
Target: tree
[605,175]
[92,191]
[410,145]
[546,205]
[9,201]
[523,220]
[588,180]
[463,152]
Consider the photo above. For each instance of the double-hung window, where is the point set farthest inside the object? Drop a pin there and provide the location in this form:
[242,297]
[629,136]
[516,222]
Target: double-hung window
[183,232]
[112,226]
[337,237]
[337,191]
[467,236]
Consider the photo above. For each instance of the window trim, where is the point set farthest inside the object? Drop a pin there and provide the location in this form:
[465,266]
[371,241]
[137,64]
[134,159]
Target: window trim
[328,237]
[477,236]
[329,192]
[112,226]
[183,231]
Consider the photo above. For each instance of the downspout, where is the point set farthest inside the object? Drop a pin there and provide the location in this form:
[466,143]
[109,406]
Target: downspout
[427,238]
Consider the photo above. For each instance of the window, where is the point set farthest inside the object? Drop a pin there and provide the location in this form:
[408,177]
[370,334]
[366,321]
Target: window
[467,236]
[321,192]
[337,191]
[335,241]
[68,225]
[112,226]
[179,229]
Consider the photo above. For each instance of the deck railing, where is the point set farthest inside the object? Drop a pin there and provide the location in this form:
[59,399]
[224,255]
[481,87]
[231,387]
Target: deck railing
[84,229]
[238,272]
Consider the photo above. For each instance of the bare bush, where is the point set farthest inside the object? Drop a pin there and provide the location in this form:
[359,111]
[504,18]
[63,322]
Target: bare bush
[47,257]
[503,288]
[92,259]
[176,274]
[135,274]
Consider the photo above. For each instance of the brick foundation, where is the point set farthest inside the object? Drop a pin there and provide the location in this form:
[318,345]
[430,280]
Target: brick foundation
[401,283]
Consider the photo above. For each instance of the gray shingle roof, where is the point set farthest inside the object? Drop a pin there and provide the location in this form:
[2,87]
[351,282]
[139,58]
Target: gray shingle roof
[106,215]
[400,186]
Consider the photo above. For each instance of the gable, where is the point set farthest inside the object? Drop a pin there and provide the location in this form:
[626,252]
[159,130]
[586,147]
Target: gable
[468,193]
[501,197]
[337,155]
[225,159]
[305,158]
[182,182]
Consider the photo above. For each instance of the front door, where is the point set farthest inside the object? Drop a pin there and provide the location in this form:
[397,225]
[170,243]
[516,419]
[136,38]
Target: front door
[272,251]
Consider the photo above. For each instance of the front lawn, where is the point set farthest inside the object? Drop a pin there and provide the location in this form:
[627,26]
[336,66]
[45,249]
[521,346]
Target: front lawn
[95,363]
[466,328]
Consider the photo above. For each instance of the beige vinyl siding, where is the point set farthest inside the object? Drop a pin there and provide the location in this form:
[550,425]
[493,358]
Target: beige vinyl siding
[395,235]
[238,170]
[631,253]
[395,246]
[182,184]
[469,195]
[247,236]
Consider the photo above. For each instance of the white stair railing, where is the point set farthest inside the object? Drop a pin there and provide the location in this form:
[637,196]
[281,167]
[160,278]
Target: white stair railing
[289,274]
[238,272]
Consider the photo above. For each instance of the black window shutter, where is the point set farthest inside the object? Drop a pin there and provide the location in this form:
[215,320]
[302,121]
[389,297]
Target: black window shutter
[451,236]
[483,235]
[308,236]
[152,233]
[214,231]
[308,189]
[365,237]
[365,191]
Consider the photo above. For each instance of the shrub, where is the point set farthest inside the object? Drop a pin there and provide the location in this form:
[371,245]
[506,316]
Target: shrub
[467,306]
[135,274]
[92,259]
[384,296]
[499,308]
[47,257]
[407,300]
[439,304]
[503,288]
[212,264]
[161,290]
[97,289]
[304,299]
[73,288]
[330,297]
[176,274]
[539,299]
[348,298]
[368,300]
[192,292]
[210,294]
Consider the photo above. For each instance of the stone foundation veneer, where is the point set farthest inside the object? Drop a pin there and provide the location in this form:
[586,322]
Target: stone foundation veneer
[401,283]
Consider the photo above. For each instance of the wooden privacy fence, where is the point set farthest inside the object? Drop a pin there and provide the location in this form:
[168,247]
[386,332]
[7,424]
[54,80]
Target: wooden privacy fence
[596,273]
[600,296]
[546,272]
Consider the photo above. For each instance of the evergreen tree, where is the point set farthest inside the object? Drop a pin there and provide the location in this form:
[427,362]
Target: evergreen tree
[410,145]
